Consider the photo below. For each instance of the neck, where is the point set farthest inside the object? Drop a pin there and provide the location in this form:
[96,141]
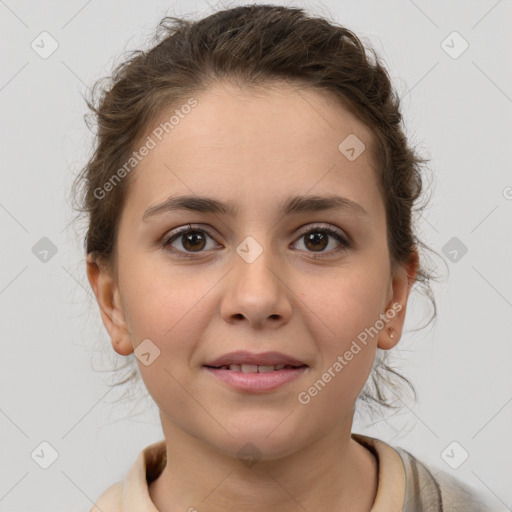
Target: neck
[332,473]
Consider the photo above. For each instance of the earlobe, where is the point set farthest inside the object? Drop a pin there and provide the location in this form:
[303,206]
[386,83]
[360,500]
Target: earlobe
[106,290]
[388,337]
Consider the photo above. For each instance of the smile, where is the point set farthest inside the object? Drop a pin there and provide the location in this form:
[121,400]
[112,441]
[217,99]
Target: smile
[256,378]
[254,368]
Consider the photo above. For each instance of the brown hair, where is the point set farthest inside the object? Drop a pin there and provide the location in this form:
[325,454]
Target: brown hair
[250,46]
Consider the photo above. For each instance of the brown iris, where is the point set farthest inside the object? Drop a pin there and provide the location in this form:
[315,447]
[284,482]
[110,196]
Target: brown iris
[316,238]
[195,238]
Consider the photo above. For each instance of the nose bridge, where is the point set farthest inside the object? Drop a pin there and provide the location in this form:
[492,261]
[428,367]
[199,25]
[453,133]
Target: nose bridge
[256,265]
[256,290]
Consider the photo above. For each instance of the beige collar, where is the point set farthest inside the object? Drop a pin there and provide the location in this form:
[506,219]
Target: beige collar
[391,488]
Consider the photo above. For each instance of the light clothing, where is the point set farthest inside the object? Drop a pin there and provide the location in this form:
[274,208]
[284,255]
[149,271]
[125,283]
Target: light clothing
[405,484]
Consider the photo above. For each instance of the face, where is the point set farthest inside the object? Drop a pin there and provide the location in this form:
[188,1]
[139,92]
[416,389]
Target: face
[304,283]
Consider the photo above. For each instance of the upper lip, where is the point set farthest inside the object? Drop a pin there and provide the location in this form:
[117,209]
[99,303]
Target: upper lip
[261,359]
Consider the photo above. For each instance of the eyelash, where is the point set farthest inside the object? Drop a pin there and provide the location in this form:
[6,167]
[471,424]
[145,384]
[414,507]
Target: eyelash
[191,228]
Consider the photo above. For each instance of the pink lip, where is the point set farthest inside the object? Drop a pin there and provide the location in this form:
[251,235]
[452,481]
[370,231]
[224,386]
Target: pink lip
[262,359]
[257,382]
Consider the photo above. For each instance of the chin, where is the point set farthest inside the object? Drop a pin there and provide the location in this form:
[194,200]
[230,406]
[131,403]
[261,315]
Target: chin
[260,439]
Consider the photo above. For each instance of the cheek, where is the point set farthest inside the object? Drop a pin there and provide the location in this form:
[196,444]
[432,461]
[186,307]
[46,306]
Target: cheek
[159,299]
[348,309]
[346,303]
[172,310]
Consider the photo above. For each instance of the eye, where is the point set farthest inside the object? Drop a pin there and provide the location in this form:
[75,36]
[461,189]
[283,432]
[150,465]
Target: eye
[317,239]
[192,240]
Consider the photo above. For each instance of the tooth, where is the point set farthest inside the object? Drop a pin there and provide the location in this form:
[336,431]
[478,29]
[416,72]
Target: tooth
[250,368]
[263,369]
[279,366]
[234,367]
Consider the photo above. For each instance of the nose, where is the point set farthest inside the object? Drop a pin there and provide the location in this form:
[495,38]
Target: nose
[257,293]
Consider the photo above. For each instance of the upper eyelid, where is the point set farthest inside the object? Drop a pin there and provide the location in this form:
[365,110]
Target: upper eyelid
[320,226]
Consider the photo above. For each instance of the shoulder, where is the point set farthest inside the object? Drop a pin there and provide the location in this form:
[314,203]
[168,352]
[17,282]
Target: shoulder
[430,489]
[132,493]
[110,500]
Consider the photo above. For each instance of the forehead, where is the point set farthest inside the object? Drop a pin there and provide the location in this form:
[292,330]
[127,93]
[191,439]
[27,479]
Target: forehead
[254,143]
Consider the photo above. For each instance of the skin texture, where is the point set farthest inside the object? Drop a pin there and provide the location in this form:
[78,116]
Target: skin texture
[257,148]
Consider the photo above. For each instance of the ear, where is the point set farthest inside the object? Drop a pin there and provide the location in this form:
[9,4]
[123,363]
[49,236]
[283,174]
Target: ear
[106,290]
[399,288]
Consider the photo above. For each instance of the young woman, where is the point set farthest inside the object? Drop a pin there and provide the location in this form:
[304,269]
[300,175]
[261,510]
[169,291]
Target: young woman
[250,241]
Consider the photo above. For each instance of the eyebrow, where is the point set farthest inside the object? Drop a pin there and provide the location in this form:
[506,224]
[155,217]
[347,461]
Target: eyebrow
[293,205]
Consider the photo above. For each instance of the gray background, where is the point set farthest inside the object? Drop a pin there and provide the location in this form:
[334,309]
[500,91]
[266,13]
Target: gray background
[458,110]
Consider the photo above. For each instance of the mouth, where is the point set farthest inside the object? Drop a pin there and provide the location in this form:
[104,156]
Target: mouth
[250,362]
[254,368]
[256,373]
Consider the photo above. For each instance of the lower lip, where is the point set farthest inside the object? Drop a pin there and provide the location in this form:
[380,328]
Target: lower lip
[257,382]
